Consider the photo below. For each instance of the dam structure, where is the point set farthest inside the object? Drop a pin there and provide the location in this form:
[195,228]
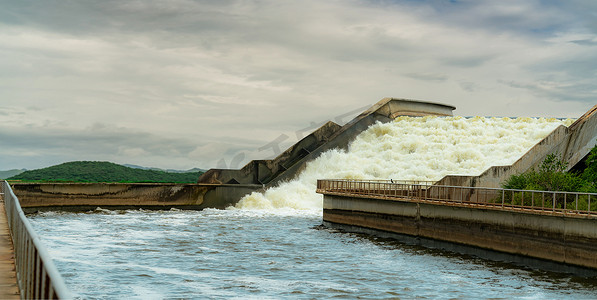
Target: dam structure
[291,162]
[220,188]
[405,169]
[472,212]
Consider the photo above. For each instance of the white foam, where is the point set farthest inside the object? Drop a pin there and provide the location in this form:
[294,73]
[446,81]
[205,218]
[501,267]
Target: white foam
[412,148]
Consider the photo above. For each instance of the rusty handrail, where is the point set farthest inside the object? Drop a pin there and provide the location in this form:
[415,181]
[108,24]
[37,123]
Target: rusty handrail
[567,203]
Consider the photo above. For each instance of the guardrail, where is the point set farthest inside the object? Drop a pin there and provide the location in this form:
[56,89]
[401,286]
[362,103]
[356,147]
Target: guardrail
[555,202]
[37,276]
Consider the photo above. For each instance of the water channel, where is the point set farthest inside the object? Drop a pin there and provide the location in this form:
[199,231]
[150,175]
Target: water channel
[259,254]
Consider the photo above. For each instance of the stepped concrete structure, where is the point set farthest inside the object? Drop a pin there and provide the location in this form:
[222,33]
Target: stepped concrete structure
[329,136]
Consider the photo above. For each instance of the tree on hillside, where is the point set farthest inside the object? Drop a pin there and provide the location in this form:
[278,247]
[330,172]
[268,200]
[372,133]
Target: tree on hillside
[94,171]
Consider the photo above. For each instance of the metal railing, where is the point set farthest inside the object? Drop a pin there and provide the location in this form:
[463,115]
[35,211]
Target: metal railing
[555,202]
[37,276]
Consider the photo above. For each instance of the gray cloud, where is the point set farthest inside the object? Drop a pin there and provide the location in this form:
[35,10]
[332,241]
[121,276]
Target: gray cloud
[586,42]
[584,92]
[185,83]
[427,77]
[105,142]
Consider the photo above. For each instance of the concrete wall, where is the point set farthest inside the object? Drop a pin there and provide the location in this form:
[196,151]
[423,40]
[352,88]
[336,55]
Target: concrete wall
[85,196]
[569,240]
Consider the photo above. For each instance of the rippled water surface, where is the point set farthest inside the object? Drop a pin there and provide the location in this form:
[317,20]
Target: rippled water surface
[264,254]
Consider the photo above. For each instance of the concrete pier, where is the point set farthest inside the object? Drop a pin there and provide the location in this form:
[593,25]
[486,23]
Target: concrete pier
[568,239]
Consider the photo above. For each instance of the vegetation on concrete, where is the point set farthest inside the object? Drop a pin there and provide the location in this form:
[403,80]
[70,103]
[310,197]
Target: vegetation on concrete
[551,176]
[98,171]
[589,175]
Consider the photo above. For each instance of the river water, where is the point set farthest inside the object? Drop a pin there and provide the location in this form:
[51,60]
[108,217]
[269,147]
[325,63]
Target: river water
[272,246]
[227,254]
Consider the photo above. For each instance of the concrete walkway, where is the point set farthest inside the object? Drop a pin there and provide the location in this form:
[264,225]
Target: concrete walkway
[8,278]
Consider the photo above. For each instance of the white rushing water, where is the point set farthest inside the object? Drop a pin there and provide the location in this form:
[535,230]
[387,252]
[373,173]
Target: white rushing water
[412,148]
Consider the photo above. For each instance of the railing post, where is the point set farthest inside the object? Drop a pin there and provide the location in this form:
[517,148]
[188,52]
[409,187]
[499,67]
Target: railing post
[37,278]
[420,192]
[512,199]
[30,269]
[461,195]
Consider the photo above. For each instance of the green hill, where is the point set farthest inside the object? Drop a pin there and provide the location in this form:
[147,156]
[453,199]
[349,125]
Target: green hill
[99,171]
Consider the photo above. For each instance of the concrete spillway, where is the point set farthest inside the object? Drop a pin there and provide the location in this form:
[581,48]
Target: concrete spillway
[221,188]
[425,149]
[446,215]
[573,143]
[330,136]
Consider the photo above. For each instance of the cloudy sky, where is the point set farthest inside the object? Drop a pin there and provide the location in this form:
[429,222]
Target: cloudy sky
[183,83]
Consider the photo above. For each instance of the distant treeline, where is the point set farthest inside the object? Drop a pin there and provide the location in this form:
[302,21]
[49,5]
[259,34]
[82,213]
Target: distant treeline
[100,171]
[10,173]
